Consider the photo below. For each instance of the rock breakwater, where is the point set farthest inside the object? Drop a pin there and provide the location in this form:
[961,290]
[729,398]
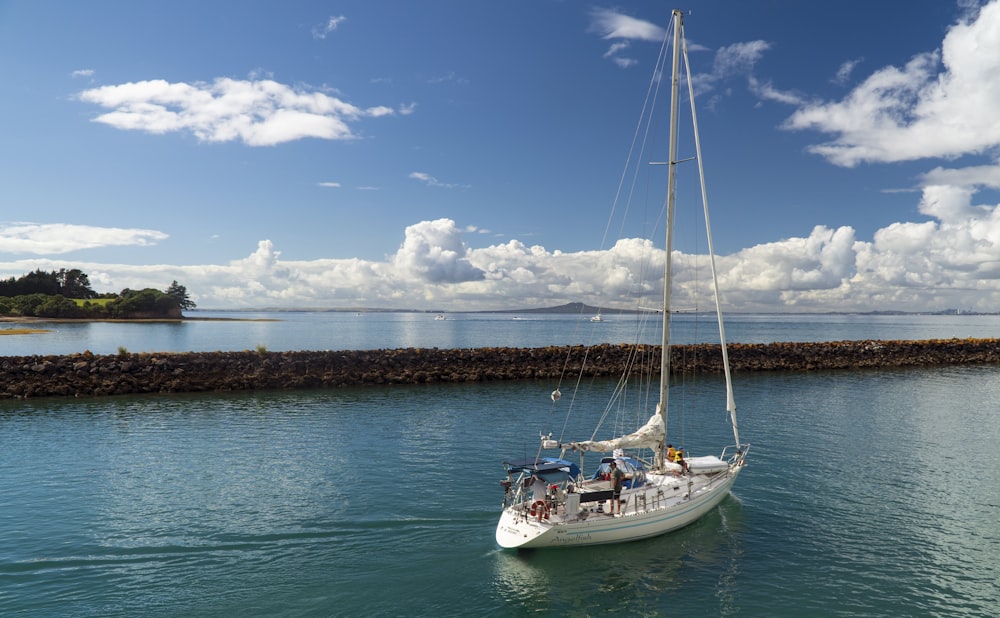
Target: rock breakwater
[89,375]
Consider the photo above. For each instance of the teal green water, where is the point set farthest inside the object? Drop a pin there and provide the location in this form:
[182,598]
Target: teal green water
[867,494]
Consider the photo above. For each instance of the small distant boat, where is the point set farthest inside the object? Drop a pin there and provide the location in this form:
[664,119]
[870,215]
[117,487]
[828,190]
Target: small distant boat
[597,318]
[440,317]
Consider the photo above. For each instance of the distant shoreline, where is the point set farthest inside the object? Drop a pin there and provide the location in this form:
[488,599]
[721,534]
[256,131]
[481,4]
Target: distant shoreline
[34,320]
[582,309]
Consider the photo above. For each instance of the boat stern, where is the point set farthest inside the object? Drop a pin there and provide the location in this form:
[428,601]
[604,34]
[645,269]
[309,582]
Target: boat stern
[514,530]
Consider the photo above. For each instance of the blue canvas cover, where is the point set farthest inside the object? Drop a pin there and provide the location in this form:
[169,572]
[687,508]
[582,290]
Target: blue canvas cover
[549,469]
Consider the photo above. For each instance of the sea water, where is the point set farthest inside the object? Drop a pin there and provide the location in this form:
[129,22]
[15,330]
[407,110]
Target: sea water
[872,493]
[285,331]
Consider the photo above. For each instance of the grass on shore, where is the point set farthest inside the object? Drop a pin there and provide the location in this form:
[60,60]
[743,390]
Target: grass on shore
[22,331]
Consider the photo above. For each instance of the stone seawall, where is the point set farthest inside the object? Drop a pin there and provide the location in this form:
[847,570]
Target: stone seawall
[88,375]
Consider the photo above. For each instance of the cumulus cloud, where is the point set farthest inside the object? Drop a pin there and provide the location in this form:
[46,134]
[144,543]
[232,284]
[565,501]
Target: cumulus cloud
[57,238]
[939,104]
[256,112]
[433,251]
[928,265]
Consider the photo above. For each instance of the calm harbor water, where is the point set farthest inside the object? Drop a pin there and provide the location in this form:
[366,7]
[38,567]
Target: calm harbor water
[871,493]
[284,331]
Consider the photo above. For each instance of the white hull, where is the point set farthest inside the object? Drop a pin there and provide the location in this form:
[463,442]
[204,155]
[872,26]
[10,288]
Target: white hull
[664,504]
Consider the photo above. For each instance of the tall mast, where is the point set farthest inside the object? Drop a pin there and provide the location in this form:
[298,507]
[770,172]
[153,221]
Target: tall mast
[678,19]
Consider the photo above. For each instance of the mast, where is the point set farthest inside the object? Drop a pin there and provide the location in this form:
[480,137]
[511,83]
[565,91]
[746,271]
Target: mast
[678,19]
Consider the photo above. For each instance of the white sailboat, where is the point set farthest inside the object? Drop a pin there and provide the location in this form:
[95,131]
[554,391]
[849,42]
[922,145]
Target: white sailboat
[551,501]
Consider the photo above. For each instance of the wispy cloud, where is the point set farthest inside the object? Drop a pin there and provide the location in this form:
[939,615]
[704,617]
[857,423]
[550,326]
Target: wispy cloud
[622,29]
[431,181]
[610,24]
[332,185]
[843,74]
[320,32]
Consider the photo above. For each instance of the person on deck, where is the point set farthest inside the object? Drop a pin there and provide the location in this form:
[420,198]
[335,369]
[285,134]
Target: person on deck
[679,459]
[538,489]
[617,478]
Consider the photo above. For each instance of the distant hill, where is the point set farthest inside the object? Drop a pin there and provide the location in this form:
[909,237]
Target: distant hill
[567,308]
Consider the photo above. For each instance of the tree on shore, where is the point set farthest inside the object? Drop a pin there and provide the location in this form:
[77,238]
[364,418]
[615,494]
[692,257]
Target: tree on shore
[143,303]
[180,293]
[71,283]
[67,294]
[74,283]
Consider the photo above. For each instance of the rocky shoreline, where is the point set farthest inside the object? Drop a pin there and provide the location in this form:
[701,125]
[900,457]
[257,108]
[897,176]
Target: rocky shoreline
[89,375]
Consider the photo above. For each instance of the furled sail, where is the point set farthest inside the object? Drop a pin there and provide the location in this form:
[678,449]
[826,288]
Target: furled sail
[650,435]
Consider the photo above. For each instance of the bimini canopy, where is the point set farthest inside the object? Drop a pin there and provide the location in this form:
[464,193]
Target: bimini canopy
[549,469]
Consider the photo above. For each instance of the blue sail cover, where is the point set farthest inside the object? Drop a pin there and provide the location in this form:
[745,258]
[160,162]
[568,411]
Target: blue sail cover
[549,469]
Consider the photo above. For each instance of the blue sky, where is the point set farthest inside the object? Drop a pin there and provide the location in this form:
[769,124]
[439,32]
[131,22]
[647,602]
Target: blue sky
[464,155]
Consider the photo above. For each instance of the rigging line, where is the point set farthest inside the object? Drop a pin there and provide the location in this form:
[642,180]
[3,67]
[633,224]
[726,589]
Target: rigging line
[575,390]
[730,400]
[642,130]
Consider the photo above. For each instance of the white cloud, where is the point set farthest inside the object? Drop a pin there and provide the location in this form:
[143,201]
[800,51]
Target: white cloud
[431,181]
[939,104]
[256,112]
[951,260]
[320,32]
[844,72]
[433,251]
[738,58]
[57,238]
[614,25]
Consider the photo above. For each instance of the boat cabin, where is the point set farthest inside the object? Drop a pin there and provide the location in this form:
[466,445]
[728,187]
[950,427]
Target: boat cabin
[635,473]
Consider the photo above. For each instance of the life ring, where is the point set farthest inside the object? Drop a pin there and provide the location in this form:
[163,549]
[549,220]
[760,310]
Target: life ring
[539,508]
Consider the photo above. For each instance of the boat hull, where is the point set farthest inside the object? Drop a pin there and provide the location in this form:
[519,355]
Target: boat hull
[659,514]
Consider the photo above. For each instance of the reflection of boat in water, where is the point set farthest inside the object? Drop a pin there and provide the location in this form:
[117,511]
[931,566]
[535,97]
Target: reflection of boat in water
[561,582]
[550,501]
